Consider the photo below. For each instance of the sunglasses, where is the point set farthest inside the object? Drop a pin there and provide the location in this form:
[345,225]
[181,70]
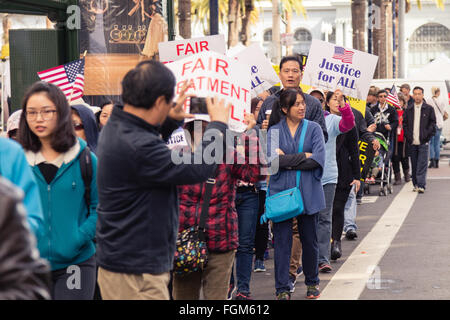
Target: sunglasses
[78,126]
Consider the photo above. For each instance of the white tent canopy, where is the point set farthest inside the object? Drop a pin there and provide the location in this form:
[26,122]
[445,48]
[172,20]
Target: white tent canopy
[438,69]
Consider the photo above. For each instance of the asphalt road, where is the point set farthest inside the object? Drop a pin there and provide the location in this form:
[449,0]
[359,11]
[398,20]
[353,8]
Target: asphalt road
[405,244]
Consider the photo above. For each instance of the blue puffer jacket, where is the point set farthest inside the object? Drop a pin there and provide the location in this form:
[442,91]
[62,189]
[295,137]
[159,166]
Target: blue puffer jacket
[68,231]
[14,167]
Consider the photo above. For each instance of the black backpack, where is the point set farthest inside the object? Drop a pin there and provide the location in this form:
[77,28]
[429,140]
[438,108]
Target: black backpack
[86,174]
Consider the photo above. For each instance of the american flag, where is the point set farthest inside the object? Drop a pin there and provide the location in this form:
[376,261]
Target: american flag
[68,77]
[345,56]
[392,97]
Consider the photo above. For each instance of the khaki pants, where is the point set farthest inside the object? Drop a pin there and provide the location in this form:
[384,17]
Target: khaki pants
[296,252]
[214,279]
[123,286]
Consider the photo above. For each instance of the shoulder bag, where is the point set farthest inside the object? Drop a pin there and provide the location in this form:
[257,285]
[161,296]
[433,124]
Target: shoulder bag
[191,253]
[286,204]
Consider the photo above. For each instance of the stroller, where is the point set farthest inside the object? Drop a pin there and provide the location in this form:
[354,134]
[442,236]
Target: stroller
[381,168]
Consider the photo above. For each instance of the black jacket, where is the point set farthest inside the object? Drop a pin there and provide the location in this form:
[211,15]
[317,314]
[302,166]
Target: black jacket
[138,201]
[23,274]
[389,116]
[427,123]
[347,157]
[361,123]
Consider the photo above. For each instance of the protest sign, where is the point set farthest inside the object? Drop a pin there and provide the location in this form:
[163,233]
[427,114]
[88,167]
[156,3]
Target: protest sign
[366,155]
[211,74]
[263,76]
[332,67]
[177,138]
[175,50]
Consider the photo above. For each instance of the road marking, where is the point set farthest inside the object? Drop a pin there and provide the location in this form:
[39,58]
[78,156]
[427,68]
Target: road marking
[438,178]
[353,276]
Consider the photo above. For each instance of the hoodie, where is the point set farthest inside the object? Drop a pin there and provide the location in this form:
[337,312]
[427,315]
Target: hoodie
[90,125]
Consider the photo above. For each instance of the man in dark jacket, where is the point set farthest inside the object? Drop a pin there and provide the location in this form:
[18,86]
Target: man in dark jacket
[419,125]
[291,76]
[386,117]
[23,274]
[137,178]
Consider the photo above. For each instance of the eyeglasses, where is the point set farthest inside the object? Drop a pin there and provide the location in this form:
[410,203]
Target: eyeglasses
[78,126]
[45,114]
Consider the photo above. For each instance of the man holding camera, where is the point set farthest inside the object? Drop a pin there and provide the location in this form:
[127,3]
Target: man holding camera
[137,179]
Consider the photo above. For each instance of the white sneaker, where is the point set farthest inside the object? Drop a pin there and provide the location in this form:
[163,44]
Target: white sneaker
[415,189]
[421,190]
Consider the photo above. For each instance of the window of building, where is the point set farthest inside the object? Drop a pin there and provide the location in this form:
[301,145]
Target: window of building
[427,43]
[302,41]
[267,41]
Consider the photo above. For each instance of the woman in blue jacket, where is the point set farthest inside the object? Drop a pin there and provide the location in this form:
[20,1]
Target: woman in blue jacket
[53,152]
[287,119]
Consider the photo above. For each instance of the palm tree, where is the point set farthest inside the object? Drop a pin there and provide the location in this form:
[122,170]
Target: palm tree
[184,18]
[358,8]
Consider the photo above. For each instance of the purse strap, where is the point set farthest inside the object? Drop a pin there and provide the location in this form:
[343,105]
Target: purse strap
[300,146]
[205,207]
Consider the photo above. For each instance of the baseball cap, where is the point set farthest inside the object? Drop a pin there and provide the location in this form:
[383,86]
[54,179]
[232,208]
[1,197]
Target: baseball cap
[317,90]
[13,121]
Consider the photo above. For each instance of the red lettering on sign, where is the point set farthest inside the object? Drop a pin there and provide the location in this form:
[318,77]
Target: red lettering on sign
[189,49]
[204,45]
[223,65]
[198,64]
[185,67]
[245,94]
[224,85]
[232,114]
[215,86]
[179,48]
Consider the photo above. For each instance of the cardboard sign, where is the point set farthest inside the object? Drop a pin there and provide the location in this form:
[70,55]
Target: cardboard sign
[332,67]
[214,75]
[176,50]
[263,76]
[177,138]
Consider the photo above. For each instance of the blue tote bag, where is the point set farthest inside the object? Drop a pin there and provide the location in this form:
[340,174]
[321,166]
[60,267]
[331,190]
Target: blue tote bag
[286,204]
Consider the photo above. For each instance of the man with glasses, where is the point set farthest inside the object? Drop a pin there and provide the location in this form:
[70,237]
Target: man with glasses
[291,72]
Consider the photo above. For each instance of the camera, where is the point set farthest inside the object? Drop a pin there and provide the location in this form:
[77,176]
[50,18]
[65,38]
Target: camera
[198,106]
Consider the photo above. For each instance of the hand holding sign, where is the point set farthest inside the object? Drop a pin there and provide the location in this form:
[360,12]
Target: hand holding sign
[217,110]
[340,98]
[249,120]
[177,112]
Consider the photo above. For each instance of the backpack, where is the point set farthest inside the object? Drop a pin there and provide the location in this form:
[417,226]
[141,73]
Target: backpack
[86,174]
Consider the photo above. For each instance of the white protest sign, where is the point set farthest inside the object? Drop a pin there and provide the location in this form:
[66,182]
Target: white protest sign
[214,75]
[263,77]
[175,50]
[332,67]
[177,138]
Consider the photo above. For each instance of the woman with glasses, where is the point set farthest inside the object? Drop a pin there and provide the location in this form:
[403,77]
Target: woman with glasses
[85,125]
[54,152]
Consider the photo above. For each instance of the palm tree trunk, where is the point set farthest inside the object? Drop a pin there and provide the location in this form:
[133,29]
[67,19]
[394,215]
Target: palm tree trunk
[184,18]
[358,24]
[382,40]
[288,30]
[245,30]
[233,19]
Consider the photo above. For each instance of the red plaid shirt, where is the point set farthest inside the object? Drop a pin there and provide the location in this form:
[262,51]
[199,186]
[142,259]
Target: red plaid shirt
[221,223]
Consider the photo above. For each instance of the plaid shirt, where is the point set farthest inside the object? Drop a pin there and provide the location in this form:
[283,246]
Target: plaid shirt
[221,223]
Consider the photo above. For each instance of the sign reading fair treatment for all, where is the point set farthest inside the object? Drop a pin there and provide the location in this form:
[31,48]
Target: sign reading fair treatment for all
[175,50]
[211,74]
[332,67]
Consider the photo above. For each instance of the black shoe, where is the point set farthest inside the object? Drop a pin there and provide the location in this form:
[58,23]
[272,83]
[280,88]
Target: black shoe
[436,163]
[358,200]
[351,234]
[431,165]
[336,251]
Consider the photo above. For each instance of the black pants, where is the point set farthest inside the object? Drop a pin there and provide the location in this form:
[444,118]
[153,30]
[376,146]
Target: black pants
[262,230]
[340,198]
[397,159]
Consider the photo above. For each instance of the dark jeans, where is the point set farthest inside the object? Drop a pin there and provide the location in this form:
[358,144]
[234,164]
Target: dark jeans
[75,282]
[247,210]
[397,159]
[340,199]
[282,232]
[324,224]
[419,163]
[262,230]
